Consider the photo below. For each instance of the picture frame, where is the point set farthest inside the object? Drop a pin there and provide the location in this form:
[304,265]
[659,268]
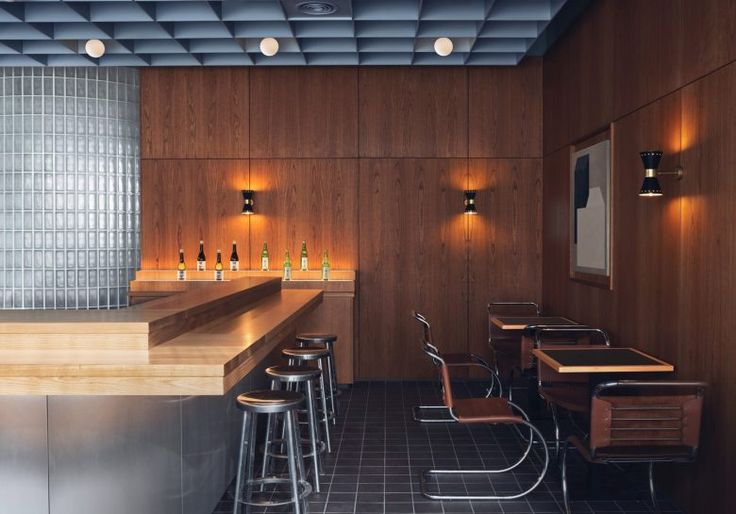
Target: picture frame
[591,210]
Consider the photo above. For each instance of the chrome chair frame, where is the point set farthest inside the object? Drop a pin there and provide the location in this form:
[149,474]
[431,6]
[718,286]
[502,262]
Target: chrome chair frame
[620,384]
[533,431]
[431,350]
[489,308]
[539,331]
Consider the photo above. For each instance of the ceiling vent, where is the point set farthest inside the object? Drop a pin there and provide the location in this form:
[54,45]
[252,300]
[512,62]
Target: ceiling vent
[309,10]
[317,8]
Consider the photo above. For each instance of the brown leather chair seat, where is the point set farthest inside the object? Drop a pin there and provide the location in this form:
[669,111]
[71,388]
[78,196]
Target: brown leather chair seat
[484,410]
[572,397]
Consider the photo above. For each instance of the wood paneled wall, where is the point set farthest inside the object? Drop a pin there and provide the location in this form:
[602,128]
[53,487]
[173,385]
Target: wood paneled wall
[673,257]
[369,164]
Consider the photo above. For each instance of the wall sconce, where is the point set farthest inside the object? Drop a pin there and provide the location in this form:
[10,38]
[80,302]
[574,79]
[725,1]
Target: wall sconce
[470,202]
[650,186]
[247,202]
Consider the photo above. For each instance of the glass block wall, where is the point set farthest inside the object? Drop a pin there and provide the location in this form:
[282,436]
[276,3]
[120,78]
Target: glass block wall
[69,190]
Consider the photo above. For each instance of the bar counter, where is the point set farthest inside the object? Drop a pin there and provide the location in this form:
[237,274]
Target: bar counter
[134,410]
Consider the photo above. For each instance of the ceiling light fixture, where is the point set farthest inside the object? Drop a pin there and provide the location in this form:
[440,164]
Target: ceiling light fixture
[269,46]
[443,46]
[95,48]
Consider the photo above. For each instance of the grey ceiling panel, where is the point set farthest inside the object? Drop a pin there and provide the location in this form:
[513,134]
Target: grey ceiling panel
[385,44]
[252,11]
[122,11]
[11,47]
[229,33]
[262,29]
[49,12]
[441,10]
[386,59]
[382,10]
[386,29]
[502,45]
[215,46]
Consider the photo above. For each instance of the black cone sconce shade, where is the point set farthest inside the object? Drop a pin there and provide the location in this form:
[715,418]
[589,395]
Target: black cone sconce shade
[470,202]
[247,202]
[650,186]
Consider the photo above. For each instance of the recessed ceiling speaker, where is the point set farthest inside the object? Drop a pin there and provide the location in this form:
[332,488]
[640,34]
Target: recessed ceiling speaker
[269,46]
[443,46]
[317,8]
[95,48]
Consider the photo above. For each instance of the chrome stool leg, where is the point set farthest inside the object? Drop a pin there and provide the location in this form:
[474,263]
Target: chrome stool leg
[249,490]
[330,389]
[314,433]
[325,412]
[245,435]
[302,379]
[294,456]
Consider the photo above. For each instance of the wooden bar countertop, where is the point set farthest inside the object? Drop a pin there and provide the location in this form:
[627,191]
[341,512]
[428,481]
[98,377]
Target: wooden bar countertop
[205,341]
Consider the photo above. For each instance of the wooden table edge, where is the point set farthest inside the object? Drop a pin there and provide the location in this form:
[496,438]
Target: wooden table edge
[663,367]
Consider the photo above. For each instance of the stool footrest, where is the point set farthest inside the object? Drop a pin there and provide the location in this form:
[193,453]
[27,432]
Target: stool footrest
[274,480]
[322,447]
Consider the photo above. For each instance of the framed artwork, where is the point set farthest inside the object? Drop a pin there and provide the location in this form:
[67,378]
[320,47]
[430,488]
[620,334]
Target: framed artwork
[590,210]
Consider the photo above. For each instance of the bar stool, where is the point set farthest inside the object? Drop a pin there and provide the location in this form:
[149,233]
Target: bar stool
[328,341]
[318,354]
[299,377]
[272,403]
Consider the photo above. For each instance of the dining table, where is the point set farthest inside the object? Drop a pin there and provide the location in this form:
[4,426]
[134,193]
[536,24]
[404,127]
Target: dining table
[601,360]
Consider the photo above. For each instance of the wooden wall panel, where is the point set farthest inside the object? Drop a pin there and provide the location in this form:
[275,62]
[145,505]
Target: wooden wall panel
[674,256]
[505,259]
[708,31]
[412,256]
[506,115]
[579,79]
[708,274]
[304,112]
[646,231]
[643,48]
[194,113]
[306,199]
[309,132]
[186,200]
[413,112]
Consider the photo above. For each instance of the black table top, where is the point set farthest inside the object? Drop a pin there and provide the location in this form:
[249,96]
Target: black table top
[601,357]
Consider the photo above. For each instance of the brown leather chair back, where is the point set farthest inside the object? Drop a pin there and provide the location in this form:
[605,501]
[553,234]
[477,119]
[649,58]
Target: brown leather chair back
[646,414]
[446,385]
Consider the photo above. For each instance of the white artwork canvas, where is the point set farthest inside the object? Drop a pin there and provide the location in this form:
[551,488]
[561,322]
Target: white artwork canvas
[590,211]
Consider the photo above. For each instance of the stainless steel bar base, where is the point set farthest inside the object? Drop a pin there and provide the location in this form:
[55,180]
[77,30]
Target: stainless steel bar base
[118,454]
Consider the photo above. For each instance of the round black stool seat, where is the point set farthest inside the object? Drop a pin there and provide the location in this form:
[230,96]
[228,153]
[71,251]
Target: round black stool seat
[316,338]
[267,401]
[293,373]
[310,353]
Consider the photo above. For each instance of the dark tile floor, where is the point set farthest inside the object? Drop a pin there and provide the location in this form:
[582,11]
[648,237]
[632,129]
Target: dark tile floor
[379,453]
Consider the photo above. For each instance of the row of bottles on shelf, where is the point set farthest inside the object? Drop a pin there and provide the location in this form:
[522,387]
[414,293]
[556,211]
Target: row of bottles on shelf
[235,262]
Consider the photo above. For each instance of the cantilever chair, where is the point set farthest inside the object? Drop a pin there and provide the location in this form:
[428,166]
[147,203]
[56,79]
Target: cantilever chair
[456,360]
[640,422]
[506,352]
[494,411]
[561,391]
